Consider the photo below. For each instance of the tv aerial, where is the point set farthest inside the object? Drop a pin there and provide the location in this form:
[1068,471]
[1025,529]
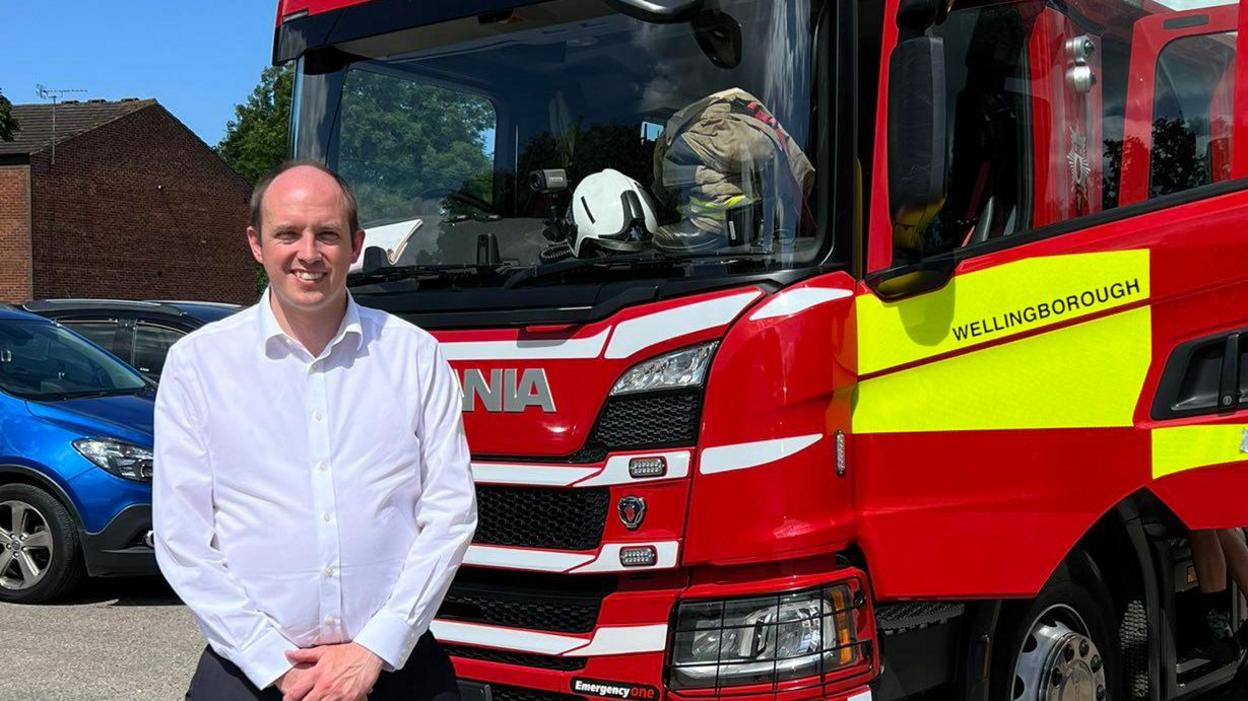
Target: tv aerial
[55,95]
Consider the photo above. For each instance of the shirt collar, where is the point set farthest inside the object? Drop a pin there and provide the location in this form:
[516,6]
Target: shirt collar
[350,329]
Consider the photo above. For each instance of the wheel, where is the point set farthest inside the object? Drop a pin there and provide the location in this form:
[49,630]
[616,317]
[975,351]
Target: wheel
[1061,646]
[40,556]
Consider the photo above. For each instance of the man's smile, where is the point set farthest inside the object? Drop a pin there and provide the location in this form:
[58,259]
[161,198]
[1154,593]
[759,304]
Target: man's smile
[307,275]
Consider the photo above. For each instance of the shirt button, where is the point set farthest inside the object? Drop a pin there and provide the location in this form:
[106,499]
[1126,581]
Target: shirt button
[322,466]
[329,571]
[329,620]
[326,517]
[316,415]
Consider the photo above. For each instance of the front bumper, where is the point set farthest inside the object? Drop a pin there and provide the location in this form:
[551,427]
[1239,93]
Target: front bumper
[623,656]
[122,548]
[478,691]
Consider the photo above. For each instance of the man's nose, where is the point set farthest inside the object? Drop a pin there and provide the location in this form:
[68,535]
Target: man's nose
[308,250]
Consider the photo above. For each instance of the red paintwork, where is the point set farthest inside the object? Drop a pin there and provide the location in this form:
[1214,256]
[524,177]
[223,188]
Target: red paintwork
[880,229]
[1239,147]
[992,512]
[745,403]
[285,8]
[1208,497]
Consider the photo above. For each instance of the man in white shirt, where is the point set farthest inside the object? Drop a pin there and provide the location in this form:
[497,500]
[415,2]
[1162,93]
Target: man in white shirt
[312,496]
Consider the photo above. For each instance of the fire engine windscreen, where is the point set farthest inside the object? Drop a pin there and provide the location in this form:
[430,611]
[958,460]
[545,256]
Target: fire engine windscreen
[439,128]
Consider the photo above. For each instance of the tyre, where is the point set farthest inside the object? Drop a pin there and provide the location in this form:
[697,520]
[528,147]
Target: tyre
[1061,646]
[40,556]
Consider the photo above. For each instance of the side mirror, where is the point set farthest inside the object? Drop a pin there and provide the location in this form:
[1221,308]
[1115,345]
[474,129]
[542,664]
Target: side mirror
[924,276]
[917,138]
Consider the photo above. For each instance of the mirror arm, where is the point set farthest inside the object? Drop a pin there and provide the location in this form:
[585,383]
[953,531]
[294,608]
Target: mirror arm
[658,11]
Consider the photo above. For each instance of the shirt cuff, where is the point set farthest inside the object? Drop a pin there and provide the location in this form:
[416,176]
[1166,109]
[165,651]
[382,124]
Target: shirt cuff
[388,637]
[263,660]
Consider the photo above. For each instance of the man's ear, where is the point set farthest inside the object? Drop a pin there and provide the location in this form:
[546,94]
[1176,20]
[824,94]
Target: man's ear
[357,244]
[253,240]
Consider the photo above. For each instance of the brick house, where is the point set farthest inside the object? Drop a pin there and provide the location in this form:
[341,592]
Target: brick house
[124,202]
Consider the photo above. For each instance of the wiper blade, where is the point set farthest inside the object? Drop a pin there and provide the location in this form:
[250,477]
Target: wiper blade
[638,261]
[92,393]
[391,273]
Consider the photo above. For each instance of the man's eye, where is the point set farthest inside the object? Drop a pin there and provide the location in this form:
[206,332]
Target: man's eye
[328,236]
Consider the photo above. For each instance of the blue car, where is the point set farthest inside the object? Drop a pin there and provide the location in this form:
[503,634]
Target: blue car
[75,461]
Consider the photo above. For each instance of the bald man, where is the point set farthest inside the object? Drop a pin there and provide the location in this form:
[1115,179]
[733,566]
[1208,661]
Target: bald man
[311,495]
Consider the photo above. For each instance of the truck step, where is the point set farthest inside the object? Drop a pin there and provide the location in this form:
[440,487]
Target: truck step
[900,617]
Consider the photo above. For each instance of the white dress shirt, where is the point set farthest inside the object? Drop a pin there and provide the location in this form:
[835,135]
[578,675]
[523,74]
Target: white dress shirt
[301,501]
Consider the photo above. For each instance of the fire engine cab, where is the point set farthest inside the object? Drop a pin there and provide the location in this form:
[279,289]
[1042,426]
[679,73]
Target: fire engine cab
[813,349]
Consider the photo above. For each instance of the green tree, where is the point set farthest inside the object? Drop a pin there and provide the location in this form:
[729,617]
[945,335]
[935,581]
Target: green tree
[8,125]
[405,143]
[255,140]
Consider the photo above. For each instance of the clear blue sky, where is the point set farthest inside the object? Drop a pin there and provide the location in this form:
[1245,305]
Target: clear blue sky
[199,58]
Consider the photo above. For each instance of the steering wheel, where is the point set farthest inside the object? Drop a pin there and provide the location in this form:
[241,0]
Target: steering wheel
[458,196]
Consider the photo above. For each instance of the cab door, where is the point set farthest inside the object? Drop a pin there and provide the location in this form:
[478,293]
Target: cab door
[1001,413]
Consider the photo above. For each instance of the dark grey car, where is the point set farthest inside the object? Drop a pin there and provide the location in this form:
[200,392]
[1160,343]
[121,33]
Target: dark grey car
[139,333]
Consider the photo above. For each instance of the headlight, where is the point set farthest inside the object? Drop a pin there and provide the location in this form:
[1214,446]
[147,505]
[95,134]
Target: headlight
[122,459]
[682,368]
[766,640]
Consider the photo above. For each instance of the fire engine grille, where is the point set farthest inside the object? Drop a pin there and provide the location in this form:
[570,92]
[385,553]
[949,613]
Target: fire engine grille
[502,692]
[526,600]
[662,420]
[561,519]
[485,654]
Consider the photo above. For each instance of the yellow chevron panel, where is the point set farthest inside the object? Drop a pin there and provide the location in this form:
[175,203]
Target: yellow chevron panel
[1082,376]
[998,302]
[1183,448]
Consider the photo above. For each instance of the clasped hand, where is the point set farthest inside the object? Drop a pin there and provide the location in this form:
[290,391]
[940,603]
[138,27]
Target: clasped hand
[344,672]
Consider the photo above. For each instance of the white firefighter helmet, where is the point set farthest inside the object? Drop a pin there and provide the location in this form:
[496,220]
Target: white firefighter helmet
[612,213]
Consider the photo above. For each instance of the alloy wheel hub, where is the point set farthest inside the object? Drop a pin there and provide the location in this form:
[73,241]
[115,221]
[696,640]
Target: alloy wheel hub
[26,557]
[1061,666]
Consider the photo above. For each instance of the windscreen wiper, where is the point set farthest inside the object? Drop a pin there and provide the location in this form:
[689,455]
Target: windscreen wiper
[91,393]
[420,274]
[648,261]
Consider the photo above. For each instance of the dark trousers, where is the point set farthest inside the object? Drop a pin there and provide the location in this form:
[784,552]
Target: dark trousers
[427,676]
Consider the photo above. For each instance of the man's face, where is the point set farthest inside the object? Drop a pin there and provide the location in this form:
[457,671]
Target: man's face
[306,246]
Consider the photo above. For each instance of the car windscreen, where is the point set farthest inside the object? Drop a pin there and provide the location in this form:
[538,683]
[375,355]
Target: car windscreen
[47,362]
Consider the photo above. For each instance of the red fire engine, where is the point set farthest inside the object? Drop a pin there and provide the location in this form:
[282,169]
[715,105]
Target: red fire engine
[847,349]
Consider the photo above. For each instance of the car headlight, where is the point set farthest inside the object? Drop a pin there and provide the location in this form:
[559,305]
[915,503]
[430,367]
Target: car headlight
[765,640]
[122,459]
[682,368]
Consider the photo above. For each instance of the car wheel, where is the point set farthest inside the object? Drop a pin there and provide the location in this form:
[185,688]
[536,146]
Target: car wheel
[40,556]
[1060,646]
